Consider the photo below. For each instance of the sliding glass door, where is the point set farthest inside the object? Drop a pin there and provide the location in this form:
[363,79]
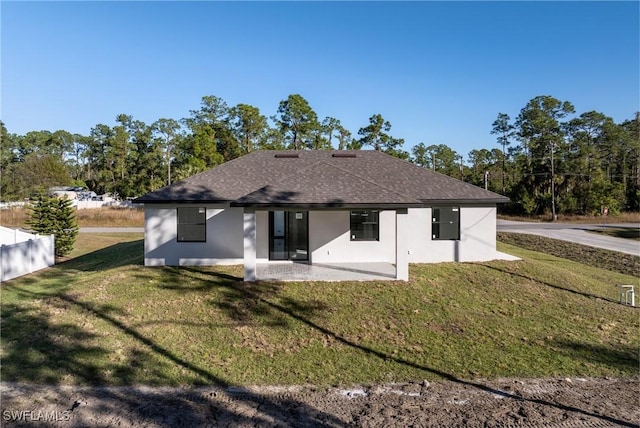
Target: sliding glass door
[289,235]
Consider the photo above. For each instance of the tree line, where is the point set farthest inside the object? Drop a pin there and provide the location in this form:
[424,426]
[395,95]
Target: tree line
[547,159]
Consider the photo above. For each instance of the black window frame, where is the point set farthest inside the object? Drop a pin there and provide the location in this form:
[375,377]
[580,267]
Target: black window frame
[360,229]
[437,221]
[181,223]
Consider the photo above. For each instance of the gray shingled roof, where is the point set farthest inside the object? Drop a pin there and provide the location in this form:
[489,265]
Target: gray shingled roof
[318,179]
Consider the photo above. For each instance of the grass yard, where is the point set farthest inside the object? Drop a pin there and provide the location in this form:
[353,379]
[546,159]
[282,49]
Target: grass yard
[103,318]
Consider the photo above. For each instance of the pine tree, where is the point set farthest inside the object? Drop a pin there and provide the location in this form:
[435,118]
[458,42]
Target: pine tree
[55,216]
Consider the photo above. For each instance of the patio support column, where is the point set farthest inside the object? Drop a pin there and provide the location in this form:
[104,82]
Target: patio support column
[402,244]
[249,244]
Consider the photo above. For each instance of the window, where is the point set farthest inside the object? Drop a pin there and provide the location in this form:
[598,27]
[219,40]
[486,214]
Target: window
[192,224]
[445,223]
[364,225]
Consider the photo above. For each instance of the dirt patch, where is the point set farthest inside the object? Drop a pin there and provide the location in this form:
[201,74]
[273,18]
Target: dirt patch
[604,259]
[572,402]
[445,328]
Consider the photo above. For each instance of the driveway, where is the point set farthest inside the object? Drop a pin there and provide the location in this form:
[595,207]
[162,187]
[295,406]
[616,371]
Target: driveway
[576,233]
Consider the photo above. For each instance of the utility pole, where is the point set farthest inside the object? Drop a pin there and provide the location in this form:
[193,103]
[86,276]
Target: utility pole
[486,179]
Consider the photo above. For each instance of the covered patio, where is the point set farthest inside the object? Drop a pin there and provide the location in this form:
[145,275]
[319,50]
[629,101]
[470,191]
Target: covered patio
[293,271]
[312,269]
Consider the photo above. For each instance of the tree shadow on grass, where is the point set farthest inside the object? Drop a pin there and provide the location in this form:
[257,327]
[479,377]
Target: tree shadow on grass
[242,302]
[60,350]
[548,284]
[38,350]
[203,275]
[112,257]
[622,357]
[302,312]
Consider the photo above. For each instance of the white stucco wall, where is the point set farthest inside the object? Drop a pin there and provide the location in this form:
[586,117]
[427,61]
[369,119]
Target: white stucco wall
[329,237]
[224,243]
[477,237]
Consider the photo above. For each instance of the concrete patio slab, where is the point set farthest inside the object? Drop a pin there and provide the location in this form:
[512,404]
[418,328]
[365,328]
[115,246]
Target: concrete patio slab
[504,256]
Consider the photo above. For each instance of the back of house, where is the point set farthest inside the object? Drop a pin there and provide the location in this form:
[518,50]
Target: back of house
[319,207]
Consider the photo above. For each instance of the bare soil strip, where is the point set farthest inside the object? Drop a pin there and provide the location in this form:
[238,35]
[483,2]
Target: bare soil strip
[574,402]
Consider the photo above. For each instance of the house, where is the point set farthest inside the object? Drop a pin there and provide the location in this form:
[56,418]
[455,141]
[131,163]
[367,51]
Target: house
[319,207]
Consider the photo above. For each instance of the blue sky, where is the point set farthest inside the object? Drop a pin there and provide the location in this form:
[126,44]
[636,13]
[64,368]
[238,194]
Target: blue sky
[440,72]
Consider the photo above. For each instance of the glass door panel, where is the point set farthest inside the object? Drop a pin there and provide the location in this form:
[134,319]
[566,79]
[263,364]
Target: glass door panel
[298,235]
[277,235]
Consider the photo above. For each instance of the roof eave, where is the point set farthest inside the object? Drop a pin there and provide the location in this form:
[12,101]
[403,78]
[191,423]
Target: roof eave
[475,201]
[327,205]
[180,201]
[424,203]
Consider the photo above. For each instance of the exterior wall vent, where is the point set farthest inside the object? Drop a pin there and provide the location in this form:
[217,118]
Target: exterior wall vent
[287,155]
[343,155]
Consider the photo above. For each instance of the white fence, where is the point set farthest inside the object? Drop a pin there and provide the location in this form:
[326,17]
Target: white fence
[9,205]
[84,205]
[22,253]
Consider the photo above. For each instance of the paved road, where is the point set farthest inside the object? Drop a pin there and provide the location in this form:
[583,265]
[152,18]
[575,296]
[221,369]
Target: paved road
[577,233]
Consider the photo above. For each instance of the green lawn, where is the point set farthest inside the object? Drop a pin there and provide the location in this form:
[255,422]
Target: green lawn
[103,318]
